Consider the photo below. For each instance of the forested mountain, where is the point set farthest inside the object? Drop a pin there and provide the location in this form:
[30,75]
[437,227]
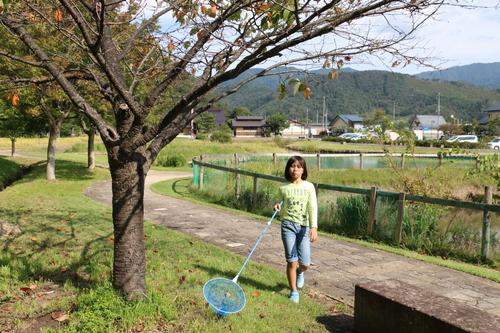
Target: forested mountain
[358,92]
[487,75]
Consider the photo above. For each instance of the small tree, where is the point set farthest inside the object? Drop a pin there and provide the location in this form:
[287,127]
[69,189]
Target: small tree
[238,111]
[277,123]
[205,122]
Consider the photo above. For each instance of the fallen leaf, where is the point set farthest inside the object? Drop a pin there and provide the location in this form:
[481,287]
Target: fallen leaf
[33,238]
[8,308]
[261,315]
[255,294]
[62,318]
[33,286]
[111,240]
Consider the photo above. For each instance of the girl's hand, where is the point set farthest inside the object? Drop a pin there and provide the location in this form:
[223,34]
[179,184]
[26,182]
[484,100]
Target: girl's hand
[277,207]
[313,234]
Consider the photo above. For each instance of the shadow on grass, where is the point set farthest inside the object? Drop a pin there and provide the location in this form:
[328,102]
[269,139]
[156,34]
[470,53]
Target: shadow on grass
[181,186]
[341,323]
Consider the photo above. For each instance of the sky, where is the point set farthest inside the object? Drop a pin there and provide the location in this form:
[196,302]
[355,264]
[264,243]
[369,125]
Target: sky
[459,37]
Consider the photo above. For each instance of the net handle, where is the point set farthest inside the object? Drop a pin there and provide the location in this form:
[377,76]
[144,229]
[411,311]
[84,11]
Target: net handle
[257,243]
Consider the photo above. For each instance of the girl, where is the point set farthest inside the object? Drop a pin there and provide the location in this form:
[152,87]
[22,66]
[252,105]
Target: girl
[299,224]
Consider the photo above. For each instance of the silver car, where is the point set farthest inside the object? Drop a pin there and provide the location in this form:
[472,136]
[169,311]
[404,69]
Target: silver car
[494,144]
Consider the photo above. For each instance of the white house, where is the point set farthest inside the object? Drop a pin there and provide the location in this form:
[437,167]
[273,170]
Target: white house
[426,126]
[296,129]
[346,123]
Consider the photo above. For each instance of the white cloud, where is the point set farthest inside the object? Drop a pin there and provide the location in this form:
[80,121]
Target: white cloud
[460,37]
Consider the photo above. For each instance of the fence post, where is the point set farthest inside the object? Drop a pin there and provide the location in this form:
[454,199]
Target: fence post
[399,221]
[201,173]
[238,178]
[274,160]
[402,160]
[361,160]
[372,206]
[318,162]
[485,244]
[255,189]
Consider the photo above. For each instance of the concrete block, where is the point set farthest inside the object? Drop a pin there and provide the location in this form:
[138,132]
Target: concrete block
[392,306]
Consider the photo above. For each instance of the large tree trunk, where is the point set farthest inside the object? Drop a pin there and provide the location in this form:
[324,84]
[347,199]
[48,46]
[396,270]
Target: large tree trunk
[129,269]
[90,150]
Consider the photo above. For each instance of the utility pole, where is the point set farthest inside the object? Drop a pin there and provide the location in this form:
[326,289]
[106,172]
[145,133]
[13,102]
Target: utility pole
[439,113]
[324,113]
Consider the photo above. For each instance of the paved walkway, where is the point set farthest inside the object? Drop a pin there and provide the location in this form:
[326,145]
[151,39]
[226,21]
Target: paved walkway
[338,265]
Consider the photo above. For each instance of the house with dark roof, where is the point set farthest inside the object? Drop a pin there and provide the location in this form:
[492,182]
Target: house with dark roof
[427,126]
[219,120]
[346,123]
[248,126]
[493,111]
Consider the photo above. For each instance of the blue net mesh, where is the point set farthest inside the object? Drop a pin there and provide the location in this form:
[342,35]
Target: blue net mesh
[224,295]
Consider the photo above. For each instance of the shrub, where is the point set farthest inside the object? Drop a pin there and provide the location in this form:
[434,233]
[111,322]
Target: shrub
[171,159]
[221,136]
[201,136]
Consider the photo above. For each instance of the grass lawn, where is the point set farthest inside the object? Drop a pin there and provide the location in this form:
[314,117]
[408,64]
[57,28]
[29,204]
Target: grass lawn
[55,276]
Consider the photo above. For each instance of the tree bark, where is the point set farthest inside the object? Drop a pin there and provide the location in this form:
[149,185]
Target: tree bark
[129,269]
[13,146]
[90,149]
[51,152]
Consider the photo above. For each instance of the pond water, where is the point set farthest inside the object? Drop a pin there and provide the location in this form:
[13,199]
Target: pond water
[354,161]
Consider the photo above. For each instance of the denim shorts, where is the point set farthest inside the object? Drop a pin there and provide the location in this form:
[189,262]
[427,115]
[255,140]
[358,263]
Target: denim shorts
[296,241]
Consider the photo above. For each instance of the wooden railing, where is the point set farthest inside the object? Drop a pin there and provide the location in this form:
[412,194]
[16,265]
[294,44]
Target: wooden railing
[373,194]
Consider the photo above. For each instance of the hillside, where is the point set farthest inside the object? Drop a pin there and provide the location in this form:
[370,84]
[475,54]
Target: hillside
[487,75]
[366,91]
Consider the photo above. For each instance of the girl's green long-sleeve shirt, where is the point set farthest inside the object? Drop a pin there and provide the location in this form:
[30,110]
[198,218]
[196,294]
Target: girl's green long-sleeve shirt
[300,204]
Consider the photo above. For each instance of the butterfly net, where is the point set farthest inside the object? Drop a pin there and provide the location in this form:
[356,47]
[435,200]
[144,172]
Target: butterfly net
[224,295]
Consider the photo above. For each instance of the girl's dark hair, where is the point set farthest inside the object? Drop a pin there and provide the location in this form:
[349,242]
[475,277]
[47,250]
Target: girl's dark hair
[292,160]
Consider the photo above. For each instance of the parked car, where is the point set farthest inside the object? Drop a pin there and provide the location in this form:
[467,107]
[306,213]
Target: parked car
[353,136]
[494,144]
[463,138]
[348,135]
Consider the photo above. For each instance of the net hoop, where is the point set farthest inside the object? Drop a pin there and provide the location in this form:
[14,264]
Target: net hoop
[224,295]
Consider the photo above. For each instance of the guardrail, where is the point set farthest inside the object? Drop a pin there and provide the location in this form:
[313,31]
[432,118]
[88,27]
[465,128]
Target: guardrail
[372,194]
